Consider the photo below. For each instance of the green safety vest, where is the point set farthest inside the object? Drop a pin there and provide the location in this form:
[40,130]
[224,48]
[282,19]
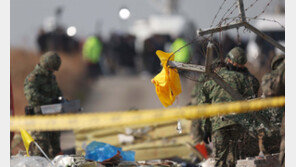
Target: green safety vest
[92,49]
[183,55]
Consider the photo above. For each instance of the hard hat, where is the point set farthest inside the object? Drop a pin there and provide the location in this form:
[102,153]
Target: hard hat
[237,56]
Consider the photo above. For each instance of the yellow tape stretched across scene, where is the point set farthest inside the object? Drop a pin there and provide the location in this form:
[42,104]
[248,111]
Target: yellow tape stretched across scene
[142,117]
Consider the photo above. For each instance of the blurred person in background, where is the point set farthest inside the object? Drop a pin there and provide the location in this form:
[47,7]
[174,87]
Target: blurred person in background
[113,52]
[273,84]
[127,54]
[92,49]
[182,55]
[150,60]
[52,36]
[41,40]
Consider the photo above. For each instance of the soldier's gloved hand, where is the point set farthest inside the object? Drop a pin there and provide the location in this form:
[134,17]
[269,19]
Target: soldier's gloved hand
[58,100]
[207,138]
[63,99]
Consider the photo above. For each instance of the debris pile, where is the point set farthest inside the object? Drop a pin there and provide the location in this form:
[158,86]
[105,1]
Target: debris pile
[266,161]
[151,142]
[80,161]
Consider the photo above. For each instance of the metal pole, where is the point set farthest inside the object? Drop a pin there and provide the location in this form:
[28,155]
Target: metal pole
[209,57]
[43,153]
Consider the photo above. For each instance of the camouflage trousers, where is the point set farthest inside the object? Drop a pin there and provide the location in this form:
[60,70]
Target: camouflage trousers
[272,142]
[196,131]
[232,143]
[49,143]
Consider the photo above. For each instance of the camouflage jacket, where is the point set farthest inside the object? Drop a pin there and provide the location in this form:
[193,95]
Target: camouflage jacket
[210,92]
[195,100]
[41,87]
[197,90]
[273,84]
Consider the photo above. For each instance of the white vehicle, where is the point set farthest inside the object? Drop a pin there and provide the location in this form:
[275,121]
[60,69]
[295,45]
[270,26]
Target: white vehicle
[259,50]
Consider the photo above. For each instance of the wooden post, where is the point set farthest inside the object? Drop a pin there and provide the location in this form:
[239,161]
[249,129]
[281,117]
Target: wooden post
[241,10]
[188,67]
[209,57]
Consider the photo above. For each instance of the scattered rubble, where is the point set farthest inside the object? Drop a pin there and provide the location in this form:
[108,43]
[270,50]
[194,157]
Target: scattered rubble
[33,161]
[80,161]
[266,161]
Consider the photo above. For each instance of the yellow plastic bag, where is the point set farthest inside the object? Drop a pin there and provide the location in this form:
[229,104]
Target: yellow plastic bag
[167,82]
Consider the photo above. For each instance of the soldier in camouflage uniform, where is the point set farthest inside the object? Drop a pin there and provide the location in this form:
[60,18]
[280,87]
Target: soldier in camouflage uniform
[41,88]
[197,131]
[226,131]
[273,84]
[196,128]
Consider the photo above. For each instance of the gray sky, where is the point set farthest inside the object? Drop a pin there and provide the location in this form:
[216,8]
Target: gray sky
[27,16]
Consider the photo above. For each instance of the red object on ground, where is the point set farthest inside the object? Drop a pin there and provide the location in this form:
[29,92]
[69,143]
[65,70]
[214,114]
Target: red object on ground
[114,161]
[60,153]
[202,149]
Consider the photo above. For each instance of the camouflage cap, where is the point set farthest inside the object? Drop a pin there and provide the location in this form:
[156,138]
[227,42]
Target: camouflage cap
[237,56]
[50,60]
[276,61]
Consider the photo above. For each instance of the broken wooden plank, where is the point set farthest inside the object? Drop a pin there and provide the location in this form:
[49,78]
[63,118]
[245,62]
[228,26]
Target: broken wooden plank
[189,67]
[167,131]
[103,131]
[241,10]
[209,57]
[165,142]
[181,151]
[219,29]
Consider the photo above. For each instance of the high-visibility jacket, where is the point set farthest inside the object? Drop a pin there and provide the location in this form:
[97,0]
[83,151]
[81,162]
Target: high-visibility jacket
[182,55]
[92,49]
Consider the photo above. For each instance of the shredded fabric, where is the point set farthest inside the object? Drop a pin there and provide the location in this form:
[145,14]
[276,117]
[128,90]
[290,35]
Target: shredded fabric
[167,82]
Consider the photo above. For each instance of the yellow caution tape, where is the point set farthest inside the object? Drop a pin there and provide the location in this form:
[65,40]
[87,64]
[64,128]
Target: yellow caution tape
[143,117]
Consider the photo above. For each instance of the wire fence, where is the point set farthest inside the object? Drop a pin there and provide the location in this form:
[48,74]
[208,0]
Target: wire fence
[229,17]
